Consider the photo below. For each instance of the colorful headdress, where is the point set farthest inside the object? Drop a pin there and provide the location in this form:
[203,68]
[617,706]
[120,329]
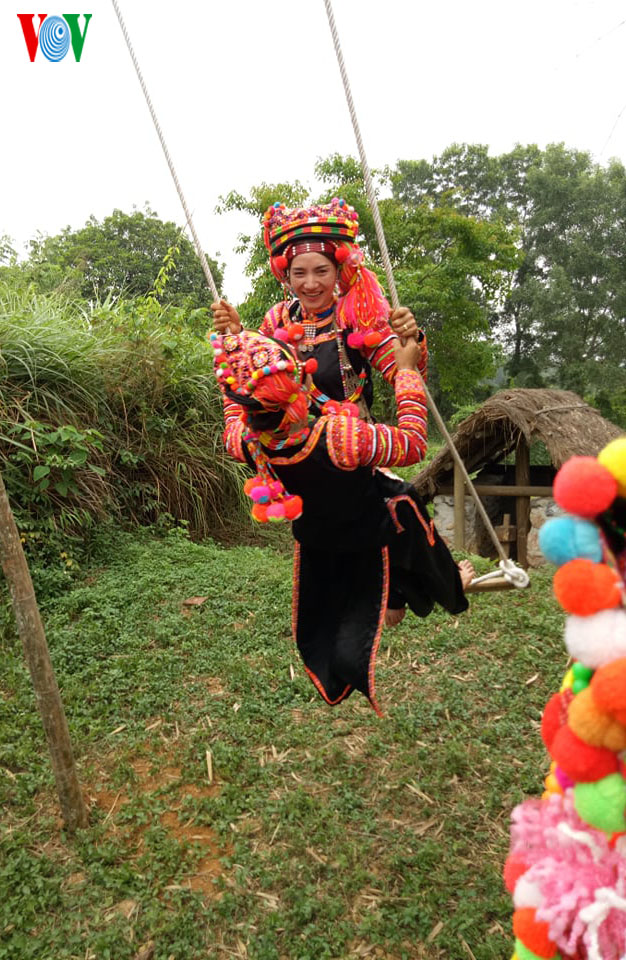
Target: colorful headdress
[331,229]
[263,376]
[566,868]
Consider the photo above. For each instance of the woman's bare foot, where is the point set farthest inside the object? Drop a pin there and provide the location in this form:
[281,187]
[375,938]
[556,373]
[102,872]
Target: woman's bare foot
[467,572]
[394,617]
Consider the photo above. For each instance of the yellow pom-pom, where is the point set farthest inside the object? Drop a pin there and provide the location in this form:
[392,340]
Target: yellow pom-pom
[613,458]
[568,680]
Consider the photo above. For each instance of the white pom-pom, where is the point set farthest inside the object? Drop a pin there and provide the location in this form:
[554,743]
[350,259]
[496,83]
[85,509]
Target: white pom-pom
[597,640]
[527,893]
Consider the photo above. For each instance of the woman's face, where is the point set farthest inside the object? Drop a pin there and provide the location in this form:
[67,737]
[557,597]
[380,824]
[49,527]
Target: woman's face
[312,277]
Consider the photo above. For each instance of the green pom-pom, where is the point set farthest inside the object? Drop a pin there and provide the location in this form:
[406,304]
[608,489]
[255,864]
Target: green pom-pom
[602,803]
[523,953]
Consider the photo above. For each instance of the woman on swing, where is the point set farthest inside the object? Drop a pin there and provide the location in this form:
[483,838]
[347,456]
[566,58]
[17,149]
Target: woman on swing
[358,544]
[336,317]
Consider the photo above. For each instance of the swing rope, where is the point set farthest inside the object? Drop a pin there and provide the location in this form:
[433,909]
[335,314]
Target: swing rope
[201,255]
[508,568]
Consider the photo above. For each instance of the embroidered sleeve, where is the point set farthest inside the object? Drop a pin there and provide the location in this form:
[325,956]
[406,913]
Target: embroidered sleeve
[382,357]
[352,442]
[233,429]
[274,318]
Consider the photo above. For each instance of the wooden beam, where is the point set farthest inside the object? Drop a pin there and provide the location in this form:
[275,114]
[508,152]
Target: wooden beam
[47,696]
[459,509]
[522,503]
[500,490]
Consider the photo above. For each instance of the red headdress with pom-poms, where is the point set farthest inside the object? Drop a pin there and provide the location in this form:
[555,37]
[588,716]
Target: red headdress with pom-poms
[262,374]
[330,229]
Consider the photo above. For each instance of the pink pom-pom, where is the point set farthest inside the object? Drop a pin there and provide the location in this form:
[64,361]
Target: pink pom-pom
[260,494]
[276,512]
[584,487]
[356,340]
[349,410]
[281,334]
[276,488]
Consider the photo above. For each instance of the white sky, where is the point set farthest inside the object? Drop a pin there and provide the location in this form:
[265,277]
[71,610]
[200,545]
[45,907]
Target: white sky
[248,91]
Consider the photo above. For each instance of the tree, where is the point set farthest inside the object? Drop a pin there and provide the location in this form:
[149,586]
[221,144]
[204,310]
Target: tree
[121,255]
[563,323]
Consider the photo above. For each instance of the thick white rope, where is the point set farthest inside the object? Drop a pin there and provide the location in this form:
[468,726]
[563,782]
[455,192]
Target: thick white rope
[157,126]
[506,564]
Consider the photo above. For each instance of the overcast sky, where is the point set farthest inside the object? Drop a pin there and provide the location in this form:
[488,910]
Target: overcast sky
[248,91]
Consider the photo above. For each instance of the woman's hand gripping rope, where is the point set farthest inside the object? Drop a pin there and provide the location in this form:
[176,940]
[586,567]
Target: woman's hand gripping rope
[226,318]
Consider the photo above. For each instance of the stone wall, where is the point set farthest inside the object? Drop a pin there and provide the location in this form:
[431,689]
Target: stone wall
[477,540]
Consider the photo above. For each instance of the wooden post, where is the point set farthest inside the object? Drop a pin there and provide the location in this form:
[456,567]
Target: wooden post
[30,629]
[522,504]
[459,509]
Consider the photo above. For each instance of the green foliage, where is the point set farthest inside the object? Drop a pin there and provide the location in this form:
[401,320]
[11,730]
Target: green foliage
[335,832]
[118,256]
[109,411]
[563,322]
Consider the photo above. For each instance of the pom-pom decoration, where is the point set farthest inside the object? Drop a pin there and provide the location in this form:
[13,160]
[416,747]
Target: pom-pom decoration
[342,254]
[295,332]
[596,641]
[608,687]
[585,588]
[584,487]
[356,340]
[533,933]
[311,365]
[562,539]
[602,803]
[613,458]
[579,760]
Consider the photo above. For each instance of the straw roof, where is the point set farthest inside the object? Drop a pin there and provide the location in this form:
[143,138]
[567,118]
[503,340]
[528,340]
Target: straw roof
[560,419]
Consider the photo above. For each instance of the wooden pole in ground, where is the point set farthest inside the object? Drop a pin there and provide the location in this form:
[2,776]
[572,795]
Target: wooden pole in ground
[459,509]
[30,629]
[522,504]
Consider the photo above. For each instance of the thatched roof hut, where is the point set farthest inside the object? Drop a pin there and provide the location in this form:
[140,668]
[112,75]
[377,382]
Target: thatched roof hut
[558,418]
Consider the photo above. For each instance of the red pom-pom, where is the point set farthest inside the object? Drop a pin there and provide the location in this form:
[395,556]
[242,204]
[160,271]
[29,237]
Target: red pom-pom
[311,365]
[584,487]
[356,340]
[554,717]
[372,339]
[513,870]
[280,263]
[331,408]
[580,761]
[296,332]
[584,588]
[293,507]
[281,334]
[259,512]
[342,254]
[533,933]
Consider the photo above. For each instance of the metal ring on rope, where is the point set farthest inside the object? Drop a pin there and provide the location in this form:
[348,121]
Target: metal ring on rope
[511,572]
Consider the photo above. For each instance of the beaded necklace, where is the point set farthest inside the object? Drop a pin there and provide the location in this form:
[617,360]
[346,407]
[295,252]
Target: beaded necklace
[352,382]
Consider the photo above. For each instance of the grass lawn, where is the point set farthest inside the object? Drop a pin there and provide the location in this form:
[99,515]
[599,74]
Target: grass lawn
[324,833]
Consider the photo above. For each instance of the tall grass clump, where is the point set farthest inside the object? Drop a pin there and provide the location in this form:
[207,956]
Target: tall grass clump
[109,411]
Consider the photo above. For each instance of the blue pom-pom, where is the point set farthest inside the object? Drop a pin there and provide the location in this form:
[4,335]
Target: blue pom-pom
[562,539]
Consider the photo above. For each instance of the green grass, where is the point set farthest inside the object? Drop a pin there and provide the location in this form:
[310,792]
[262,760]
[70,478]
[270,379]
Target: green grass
[327,833]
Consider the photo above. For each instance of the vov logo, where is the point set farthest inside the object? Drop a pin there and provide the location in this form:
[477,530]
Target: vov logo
[54,35]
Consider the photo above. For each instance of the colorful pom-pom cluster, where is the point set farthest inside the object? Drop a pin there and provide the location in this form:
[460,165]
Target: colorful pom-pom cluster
[271,502]
[566,869]
[241,360]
